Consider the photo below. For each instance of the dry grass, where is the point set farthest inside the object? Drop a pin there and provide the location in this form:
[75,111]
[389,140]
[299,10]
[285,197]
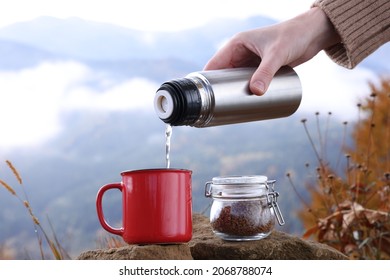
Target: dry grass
[54,245]
[351,211]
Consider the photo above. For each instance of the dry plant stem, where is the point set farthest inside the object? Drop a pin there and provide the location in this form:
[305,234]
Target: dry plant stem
[322,176]
[388,135]
[24,202]
[321,169]
[343,144]
[325,152]
[321,152]
[297,193]
[62,253]
[312,144]
[15,172]
[8,187]
[338,232]
[36,223]
[349,168]
[54,246]
[369,138]
[207,208]
[333,193]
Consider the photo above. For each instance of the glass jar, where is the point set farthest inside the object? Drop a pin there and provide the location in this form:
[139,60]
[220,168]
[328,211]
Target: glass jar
[244,207]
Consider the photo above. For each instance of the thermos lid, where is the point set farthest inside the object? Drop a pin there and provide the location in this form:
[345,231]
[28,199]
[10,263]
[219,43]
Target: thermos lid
[163,104]
[178,102]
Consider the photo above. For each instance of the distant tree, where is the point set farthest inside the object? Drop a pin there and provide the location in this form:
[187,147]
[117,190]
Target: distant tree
[351,211]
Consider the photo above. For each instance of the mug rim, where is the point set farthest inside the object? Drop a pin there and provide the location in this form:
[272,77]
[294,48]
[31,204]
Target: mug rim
[159,170]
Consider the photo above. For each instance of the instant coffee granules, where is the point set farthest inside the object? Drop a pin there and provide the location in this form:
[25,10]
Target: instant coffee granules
[243,219]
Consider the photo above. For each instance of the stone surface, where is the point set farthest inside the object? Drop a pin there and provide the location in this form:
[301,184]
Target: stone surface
[206,246]
[277,246]
[140,252]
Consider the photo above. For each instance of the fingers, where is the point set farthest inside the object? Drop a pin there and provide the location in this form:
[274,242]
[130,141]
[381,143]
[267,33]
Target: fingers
[264,74]
[214,64]
[247,50]
[235,53]
[222,59]
[261,78]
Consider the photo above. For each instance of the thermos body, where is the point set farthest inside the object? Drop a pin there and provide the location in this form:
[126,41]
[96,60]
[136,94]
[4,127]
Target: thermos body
[219,97]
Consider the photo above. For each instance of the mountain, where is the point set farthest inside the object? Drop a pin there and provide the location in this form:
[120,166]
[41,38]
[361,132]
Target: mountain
[80,39]
[18,55]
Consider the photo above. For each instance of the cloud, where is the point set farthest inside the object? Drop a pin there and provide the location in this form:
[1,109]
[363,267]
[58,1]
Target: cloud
[136,93]
[168,15]
[328,87]
[32,100]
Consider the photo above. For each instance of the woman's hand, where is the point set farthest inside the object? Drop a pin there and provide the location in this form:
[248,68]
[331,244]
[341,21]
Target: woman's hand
[292,42]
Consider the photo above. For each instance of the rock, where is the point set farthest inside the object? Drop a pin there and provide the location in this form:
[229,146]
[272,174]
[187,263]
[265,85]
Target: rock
[277,246]
[140,252]
[206,246]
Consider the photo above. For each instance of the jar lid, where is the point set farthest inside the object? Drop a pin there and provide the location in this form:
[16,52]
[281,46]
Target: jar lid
[237,186]
[233,180]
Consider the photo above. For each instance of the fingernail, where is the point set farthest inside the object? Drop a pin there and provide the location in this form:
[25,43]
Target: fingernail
[259,88]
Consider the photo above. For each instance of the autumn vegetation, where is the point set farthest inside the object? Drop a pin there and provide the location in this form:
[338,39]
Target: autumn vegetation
[44,240]
[349,208]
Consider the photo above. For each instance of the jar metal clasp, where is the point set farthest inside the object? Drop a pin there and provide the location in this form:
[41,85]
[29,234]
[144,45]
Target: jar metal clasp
[272,200]
[207,189]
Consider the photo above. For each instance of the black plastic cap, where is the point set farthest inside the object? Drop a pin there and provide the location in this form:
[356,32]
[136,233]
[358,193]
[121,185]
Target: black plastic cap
[186,101]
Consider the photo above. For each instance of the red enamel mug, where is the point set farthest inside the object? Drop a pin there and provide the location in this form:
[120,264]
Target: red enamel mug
[156,205]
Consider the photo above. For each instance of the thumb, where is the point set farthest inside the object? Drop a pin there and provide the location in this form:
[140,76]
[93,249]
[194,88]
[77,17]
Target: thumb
[262,77]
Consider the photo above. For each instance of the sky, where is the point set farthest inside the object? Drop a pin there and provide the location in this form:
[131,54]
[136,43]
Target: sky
[167,15]
[326,86]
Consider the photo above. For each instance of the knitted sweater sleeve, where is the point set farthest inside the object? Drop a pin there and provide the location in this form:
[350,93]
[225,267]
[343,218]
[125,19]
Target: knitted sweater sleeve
[363,26]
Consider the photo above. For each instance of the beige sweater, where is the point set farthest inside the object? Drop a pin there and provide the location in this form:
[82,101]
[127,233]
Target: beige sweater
[363,25]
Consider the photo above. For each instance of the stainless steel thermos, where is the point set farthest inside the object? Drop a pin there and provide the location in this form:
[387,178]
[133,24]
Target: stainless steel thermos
[219,97]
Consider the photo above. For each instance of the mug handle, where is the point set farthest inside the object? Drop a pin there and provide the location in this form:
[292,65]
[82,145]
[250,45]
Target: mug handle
[99,198]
